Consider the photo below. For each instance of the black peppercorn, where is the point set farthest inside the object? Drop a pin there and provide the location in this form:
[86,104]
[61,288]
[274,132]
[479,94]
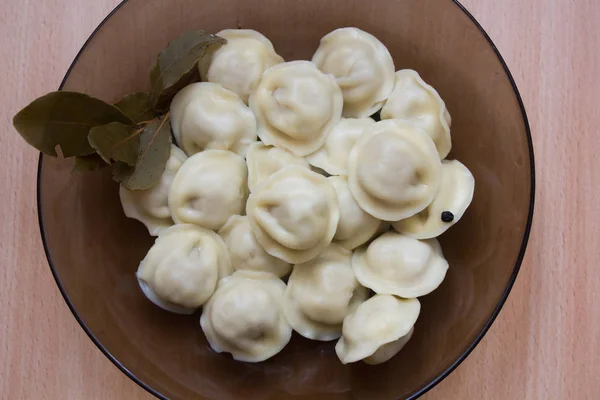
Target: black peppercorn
[447,216]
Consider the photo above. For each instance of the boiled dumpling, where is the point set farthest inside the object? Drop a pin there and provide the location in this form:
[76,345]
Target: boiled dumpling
[240,63]
[387,351]
[333,156]
[245,317]
[263,161]
[321,292]
[378,329]
[182,268]
[294,214]
[400,265]
[205,115]
[416,101]
[151,206]
[355,226]
[296,106]
[363,67]
[394,170]
[209,188]
[245,252]
[448,207]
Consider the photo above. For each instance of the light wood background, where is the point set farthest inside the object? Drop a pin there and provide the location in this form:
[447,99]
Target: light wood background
[545,343]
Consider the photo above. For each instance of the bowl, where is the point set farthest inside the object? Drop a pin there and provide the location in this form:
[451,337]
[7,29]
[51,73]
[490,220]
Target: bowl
[94,251]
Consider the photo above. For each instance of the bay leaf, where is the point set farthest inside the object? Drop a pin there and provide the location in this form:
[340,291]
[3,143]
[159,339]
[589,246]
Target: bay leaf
[64,119]
[115,141]
[137,106]
[154,152]
[176,65]
[88,163]
[162,103]
[377,116]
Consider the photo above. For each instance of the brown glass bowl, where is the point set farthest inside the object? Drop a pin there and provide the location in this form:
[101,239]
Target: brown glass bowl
[94,250]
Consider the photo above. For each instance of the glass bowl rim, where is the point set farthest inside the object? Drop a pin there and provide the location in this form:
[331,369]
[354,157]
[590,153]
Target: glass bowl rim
[435,380]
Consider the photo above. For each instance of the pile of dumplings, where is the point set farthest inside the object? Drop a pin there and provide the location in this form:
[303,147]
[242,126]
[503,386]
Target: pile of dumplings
[286,207]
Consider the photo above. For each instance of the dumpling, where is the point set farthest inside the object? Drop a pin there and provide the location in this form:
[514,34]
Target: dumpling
[321,292]
[246,253]
[416,101]
[448,206]
[294,214]
[209,188]
[394,170]
[150,206]
[378,329]
[240,63]
[387,351]
[400,265]
[263,161]
[296,106]
[363,67]
[245,317]
[356,226]
[182,268]
[205,115]
[333,156]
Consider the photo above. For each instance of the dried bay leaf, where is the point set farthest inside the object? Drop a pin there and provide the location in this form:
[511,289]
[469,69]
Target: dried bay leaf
[115,141]
[137,106]
[176,65]
[88,163]
[163,101]
[154,152]
[64,119]
[377,116]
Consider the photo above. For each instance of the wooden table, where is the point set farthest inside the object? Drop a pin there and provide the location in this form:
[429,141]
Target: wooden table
[545,343]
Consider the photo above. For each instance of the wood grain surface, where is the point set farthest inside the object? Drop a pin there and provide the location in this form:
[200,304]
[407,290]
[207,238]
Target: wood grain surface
[545,343]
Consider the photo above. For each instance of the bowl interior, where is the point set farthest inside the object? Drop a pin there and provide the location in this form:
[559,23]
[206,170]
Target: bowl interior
[95,251]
